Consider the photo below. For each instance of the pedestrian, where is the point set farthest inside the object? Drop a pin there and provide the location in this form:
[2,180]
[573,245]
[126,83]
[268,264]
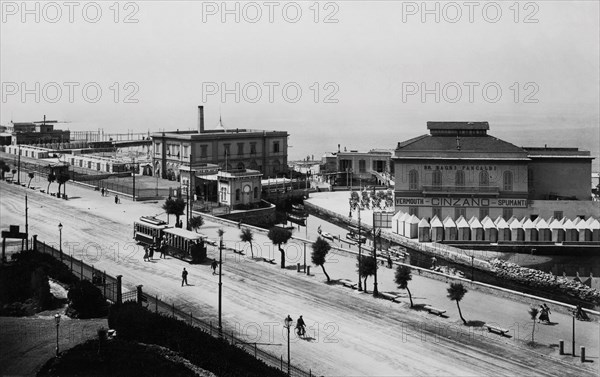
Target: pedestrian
[145,253]
[433,263]
[184,275]
[151,252]
[543,315]
[116,199]
[548,312]
[162,249]
[102,191]
[214,265]
[389,260]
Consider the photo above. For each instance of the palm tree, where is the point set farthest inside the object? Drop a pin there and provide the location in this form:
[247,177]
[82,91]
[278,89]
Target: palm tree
[51,178]
[196,222]
[366,267]
[30,175]
[280,236]
[403,276]
[533,312]
[247,236]
[174,207]
[456,292]
[320,250]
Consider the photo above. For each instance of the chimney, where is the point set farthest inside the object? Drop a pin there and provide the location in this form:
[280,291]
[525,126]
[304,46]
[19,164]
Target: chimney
[200,119]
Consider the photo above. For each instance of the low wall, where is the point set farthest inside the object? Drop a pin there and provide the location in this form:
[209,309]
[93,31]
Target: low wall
[256,217]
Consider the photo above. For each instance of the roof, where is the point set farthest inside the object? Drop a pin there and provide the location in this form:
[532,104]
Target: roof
[545,152]
[427,146]
[184,233]
[458,126]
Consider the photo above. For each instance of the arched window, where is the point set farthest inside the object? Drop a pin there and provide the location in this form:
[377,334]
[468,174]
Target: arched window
[413,180]
[237,194]
[508,181]
[484,178]
[437,178]
[460,178]
[241,166]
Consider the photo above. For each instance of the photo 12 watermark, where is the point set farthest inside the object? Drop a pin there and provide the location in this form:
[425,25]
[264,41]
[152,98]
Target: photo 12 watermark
[470,92]
[453,12]
[251,12]
[69,92]
[270,92]
[53,12]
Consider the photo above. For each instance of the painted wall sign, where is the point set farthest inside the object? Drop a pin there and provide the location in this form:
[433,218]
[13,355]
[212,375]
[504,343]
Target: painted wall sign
[462,202]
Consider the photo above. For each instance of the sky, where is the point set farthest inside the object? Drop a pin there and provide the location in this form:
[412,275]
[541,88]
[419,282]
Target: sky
[359,74]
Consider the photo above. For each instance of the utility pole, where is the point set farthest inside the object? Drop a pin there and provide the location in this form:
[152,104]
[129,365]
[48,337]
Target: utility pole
[133,166]
[359,247]
[26,226]
[220,283]
[375,236]
[19,166]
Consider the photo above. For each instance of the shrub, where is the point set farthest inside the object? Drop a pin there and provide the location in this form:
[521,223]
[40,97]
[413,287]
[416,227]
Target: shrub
[86,301]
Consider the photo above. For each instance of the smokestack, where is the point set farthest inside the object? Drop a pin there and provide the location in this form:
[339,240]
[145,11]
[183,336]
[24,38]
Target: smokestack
[200,119]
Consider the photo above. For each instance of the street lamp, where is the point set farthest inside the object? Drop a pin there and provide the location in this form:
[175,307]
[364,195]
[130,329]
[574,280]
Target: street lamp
[220,232]
[288,323]
[60,226]
[57,319]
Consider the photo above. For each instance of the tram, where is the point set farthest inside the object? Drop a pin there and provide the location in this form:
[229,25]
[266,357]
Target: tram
[184,244]
[149,230]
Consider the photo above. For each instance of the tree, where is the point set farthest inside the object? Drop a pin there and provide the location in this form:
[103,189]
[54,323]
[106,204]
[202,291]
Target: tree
[30,175]
[320,250]
[280,236]
[247,236]
[456,292]
[403,276]
[367,267]
[61,179]
[51,178]
[196,222]
[533,312]
[174,207]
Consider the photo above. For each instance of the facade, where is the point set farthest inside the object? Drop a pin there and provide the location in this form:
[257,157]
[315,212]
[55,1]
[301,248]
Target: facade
[241,187]
[36,133]
[374,164]
[460,170]
[265,151]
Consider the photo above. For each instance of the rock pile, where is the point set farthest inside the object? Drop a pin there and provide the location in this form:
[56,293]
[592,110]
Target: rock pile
[545,281]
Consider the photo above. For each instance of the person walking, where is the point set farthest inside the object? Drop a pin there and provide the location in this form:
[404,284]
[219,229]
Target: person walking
[214,265]
[389,260]
[116,199]
[145,253]
[102,191]
[300,327]
[162,249]
[184,275]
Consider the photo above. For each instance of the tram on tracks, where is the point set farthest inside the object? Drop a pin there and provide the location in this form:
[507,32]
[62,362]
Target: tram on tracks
[185,245]
[149,230]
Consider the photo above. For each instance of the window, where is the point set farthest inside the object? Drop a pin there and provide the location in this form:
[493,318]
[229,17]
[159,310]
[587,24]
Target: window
[413,211]
[275,147]
[460,178]
[437,179]
[413,180]
[237,194]
[459,211]
[224,194]
[240,148]
[362,166]
[558,215]
[484,178]
[483,212]
[252,148]
[255,192]
[436,211]
[203,151]
[508,181]
[226,151]
[98,166]
[507,213]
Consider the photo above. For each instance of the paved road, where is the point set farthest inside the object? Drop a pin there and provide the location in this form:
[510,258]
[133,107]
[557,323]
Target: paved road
[350,333]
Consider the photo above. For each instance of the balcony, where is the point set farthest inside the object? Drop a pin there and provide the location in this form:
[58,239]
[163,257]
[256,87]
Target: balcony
[461,190]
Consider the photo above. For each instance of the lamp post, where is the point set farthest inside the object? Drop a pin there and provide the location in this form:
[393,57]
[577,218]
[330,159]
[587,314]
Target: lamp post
[220,283]
[288,323]
[57,319]
[133,174]
[60,226]
[359,246]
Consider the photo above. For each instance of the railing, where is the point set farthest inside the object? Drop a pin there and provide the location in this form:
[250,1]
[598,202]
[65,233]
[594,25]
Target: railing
[108,285]
[461,189]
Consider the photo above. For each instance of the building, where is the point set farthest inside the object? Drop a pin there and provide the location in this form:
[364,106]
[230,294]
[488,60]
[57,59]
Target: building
[460,170]
[372,166]
[42,132]
[265,151]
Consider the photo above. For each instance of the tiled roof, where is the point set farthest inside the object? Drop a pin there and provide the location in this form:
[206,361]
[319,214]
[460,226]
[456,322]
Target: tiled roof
[458,126]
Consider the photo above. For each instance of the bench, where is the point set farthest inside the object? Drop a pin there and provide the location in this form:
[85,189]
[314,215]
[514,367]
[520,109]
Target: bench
[348,283]
[239,252]
[43,191]
[272,261]
[389,296]
[497,330]
[433,310]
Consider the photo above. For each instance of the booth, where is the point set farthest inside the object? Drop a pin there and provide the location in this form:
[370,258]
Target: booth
[424,230]
[437,229]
